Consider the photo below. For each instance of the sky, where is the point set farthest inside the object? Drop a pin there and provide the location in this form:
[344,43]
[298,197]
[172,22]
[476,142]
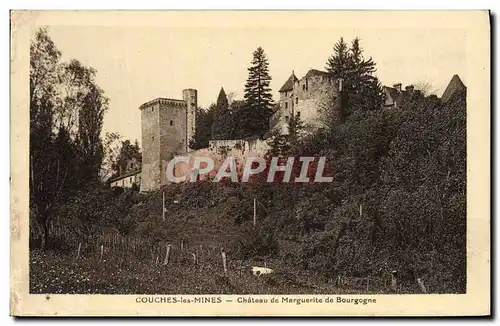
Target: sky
[140,62]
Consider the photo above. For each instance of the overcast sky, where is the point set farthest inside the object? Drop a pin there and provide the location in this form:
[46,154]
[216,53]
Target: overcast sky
[138,63]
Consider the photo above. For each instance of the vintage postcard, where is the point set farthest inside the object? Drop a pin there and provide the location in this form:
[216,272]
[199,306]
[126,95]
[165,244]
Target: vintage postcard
[250,163]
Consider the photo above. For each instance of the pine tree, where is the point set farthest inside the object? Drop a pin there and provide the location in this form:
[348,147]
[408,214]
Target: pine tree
[365,89]
[361,89]
[223,120]
[339,64]
[254,118]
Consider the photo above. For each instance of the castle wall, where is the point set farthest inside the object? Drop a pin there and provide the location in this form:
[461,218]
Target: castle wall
[218,151]
[309,97]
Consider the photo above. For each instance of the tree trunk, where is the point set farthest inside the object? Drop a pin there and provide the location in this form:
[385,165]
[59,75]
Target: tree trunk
[46,237]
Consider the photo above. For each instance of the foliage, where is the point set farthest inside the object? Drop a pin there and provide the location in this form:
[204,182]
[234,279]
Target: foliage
[360,88]
[203,131]
[254,116]
[222,127]
[66,114]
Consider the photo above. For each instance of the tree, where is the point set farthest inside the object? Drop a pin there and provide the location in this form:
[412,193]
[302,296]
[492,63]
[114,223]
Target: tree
[203,131]
[254,118]
[339,64]
[90,119]
[425,88]
[222,120]
[290,143]
[128,152]
[66,114]
[111,149]
[361,89]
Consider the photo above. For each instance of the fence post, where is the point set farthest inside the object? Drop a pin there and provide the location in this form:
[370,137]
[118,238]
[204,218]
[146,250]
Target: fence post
[163,205]
[78,252]
[102,252]
[394,281]
[224,263]
[167,256]
[254,212]
[421,285]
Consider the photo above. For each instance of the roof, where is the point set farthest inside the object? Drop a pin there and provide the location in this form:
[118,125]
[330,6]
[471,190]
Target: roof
[288,85]
[455,85]
[395,95]
[131,173]
[393,92]
[315,72]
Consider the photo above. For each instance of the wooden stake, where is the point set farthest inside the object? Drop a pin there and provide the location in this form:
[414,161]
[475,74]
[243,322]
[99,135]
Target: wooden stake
[163,206]
[224,263]
[254,212]
[394,281]
[421,285]
[78,252]
[167,256]
[195,261]
[102,252]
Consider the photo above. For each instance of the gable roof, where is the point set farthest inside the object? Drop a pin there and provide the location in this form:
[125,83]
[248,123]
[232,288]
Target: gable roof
[395,95]
[288,85]
[392,92]
[315,72]
[454,85]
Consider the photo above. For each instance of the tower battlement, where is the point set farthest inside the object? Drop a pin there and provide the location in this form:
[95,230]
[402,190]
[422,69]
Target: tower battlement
[163,101]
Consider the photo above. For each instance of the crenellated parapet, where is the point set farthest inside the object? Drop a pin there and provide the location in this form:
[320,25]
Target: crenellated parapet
[164,102]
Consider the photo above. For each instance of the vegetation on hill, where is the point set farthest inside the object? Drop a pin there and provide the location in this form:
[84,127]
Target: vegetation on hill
[397,201]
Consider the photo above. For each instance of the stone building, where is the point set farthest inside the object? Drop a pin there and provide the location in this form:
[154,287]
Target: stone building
[394,96]
[129,175]
[305,98]
[454,86]
[167,126]
[128,180]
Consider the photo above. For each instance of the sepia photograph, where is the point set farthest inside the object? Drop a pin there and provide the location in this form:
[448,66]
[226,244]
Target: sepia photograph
[250,159]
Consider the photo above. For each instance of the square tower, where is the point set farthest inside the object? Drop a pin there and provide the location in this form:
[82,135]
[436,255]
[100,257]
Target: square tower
[164,136]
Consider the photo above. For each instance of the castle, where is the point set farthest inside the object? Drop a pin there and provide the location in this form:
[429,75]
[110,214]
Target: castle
[167,126]
[304,98]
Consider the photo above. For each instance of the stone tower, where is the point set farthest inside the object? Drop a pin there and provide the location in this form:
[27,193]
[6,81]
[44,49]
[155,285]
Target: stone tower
[167,125]
[190,96]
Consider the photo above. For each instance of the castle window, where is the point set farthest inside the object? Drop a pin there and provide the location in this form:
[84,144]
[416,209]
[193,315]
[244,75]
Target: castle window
[286,105]
[171,122]
[152,137]
[152,109]
[286,118]
[130,179]
[304,87]
[298,114]
[192,104]
[296,100]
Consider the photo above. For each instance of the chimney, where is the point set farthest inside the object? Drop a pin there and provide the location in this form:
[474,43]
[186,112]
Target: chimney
[397,86]
[409,88]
